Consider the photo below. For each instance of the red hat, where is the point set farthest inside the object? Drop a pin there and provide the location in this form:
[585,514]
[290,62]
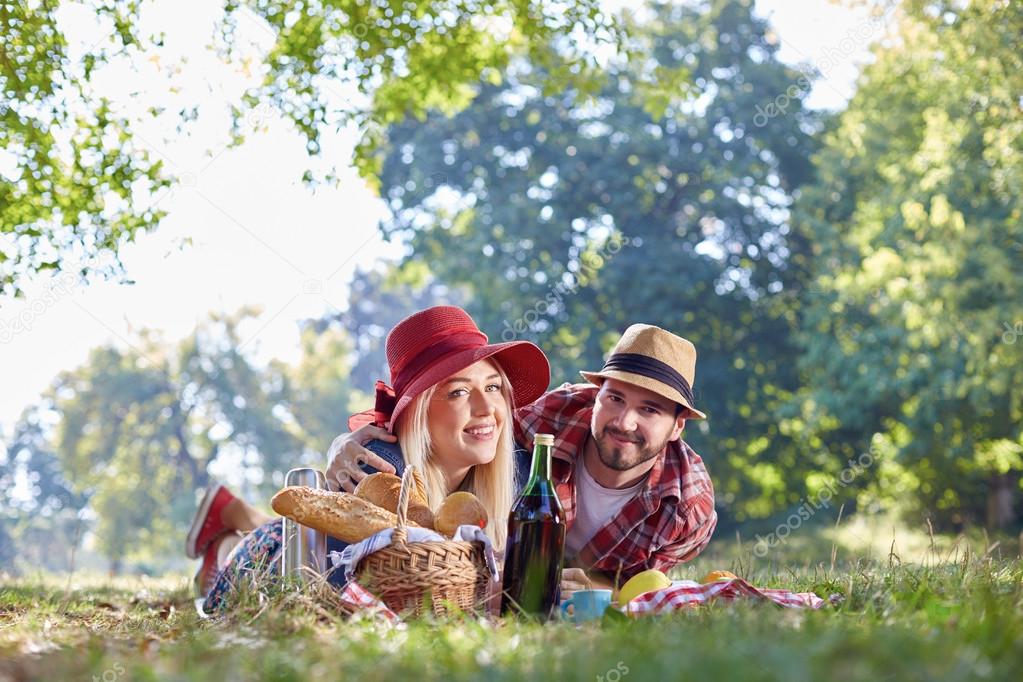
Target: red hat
[431,345]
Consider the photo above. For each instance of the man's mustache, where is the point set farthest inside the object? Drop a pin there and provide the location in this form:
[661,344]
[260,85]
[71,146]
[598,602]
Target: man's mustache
[623,436]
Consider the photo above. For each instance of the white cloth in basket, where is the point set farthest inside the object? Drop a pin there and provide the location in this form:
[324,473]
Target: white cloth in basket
[352,554]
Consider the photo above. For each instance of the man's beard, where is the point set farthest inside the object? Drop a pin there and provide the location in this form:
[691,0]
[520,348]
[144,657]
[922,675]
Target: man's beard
[612,456]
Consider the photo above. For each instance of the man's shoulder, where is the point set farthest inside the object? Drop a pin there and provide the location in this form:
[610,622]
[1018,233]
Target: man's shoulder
[687,467]
[688,455]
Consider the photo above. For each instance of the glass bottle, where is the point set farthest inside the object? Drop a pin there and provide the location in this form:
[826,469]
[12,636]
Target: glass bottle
[536,541]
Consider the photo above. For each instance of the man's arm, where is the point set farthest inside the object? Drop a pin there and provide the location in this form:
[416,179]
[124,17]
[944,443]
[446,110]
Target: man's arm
[691,539]
[697,520]
[686,548]
[550,412]
[527,420]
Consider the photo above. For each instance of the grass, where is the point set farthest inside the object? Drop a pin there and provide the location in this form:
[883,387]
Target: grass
[957,614]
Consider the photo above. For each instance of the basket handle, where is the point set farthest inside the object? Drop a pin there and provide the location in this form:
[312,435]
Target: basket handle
[408,480]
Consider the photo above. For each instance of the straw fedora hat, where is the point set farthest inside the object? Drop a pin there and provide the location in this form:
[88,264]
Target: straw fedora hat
[431,345]
[654,359]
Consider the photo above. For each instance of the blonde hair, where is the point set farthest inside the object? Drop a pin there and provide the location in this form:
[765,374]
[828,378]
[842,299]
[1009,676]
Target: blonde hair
[493,483]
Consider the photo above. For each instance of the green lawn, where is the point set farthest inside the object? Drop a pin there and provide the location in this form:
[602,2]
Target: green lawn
[958,615]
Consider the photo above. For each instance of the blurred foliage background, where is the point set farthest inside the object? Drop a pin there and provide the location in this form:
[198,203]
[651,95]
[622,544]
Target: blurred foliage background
[850,280]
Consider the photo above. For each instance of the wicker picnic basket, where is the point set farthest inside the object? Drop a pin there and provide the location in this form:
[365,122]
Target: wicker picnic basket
[442,577]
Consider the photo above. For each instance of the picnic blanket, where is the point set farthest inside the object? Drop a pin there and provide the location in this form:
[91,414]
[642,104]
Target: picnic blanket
[688,593]
[682,594]
[363,602]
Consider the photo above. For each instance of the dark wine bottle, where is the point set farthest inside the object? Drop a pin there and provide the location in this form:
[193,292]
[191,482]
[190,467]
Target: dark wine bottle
[536,541]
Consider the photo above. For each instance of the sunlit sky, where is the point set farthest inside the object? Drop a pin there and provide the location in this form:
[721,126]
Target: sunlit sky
[241,228]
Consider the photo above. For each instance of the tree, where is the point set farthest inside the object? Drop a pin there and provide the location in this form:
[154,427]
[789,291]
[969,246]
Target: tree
[320,393]
[378,299]
[7,551]
[40,524]
[564,224]
[68,177]
[136,431]
[916,218]
[69,201]
[30,457]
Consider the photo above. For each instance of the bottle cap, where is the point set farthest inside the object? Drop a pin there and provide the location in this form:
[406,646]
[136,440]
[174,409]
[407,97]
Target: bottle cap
[543,439]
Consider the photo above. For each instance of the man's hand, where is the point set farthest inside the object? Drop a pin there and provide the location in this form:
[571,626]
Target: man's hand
[346,453]
[572,580]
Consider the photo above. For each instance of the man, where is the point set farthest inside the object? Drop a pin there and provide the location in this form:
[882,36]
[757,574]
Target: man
[635,495]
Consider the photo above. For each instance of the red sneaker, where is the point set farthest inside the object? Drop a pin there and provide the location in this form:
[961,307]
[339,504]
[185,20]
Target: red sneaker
[217,553]
[207,523]
[207,572]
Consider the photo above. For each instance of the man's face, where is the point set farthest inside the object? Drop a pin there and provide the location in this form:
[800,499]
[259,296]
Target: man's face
[632,425]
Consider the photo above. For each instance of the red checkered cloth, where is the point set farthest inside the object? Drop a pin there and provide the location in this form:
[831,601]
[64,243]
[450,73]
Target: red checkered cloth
[685,594]
[362,600]
[669,521]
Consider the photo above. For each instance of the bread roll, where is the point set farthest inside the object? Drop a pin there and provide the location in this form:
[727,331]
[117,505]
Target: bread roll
[340,515]
[421,515]
[383,490]
[457,509]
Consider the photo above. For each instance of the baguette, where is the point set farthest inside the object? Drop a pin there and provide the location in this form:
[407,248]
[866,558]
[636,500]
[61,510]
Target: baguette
[340,515]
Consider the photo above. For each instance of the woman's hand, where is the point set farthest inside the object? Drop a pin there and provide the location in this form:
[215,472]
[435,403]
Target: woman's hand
[346,453]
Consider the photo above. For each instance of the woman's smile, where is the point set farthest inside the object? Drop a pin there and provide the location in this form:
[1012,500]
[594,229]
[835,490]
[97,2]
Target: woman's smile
[481,432]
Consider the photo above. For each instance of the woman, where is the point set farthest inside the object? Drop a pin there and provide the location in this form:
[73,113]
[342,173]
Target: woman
[450,411]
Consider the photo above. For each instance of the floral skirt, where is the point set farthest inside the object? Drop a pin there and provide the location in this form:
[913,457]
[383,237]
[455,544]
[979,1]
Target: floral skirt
[256,559]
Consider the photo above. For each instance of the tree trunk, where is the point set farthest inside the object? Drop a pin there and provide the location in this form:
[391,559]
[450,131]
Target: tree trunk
[1001,502]
[200,477]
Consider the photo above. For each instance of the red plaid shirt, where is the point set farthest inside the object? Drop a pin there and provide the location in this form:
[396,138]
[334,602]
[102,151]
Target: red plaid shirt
[669,521]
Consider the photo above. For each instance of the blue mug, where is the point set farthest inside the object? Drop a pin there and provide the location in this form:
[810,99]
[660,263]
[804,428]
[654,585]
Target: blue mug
[587,604]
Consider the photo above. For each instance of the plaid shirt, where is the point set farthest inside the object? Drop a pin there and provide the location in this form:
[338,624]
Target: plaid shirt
[669,521]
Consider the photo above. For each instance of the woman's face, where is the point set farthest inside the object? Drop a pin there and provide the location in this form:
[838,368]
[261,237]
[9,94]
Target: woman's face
[466,416]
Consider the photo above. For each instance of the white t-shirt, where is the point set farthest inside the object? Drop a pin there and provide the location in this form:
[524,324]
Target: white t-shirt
[595,506]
